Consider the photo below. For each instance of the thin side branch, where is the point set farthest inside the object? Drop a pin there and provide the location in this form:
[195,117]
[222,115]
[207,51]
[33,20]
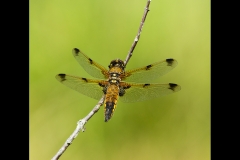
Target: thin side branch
[146,10]
[80,127]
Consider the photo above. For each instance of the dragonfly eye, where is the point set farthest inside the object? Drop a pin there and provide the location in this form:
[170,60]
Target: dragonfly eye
[117,63]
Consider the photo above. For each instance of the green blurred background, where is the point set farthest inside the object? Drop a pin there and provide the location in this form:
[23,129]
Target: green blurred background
[173,127]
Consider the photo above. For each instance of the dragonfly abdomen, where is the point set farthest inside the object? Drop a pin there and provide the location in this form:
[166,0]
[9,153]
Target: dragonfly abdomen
[111,99]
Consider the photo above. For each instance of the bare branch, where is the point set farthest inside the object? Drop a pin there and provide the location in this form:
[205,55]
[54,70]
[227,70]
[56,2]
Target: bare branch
[138,34]
[80,127]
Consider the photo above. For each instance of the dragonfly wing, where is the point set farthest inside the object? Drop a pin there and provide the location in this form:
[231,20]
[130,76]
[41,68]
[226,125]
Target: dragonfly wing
[135,92]
[150,72]
[91,67]
[88,87]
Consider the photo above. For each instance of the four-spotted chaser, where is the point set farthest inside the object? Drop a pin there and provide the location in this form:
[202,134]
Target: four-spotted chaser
[113,81]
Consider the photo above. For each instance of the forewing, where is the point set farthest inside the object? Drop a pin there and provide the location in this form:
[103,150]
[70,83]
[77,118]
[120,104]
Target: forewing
[90,66]
[148,73]
[88,87]
[140,92]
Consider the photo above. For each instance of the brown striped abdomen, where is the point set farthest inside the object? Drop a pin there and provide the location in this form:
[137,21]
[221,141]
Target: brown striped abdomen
[110,102]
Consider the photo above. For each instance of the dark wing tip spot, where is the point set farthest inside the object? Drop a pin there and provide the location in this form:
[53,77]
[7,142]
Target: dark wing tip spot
[172,86]
[62,76]
[76,51]
[170,61]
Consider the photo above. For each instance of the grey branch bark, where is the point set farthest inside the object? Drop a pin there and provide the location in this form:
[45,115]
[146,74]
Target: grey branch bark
[81,123]
[146,10]
[80,127]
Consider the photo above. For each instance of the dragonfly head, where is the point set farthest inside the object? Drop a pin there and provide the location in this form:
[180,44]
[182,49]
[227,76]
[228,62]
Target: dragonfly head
[116,63]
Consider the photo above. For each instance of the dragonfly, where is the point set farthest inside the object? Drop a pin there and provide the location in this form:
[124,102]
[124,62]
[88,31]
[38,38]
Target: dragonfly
[116,83]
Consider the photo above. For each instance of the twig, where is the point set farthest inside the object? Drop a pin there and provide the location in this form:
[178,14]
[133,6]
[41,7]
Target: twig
[80,127]
[146,10]
[82,122]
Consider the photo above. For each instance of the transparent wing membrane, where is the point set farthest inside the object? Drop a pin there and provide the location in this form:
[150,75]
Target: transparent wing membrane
[150,72]
[141,92]
[91,67]
[88,87]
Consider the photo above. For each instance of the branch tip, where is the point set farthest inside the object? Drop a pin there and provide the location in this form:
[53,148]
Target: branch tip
[146,10]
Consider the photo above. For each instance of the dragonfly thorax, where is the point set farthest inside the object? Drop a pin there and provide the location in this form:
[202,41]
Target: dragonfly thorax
[114,78]
[114,81]
[116,69]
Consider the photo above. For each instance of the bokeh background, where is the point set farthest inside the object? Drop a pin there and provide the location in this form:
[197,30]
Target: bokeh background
[173,127]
